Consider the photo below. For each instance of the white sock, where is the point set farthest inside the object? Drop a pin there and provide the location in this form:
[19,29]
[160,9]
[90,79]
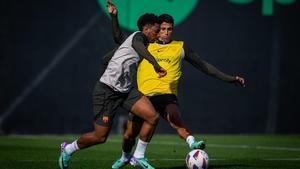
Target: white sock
[125,156]
[72,148]
[190,140]
[140,149]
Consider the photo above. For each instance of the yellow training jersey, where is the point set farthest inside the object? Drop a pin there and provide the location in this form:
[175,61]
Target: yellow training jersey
[169,56]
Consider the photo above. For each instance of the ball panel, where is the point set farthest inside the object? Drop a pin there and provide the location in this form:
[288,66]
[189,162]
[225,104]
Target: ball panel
[197,159]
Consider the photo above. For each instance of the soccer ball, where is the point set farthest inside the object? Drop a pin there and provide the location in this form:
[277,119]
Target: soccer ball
[197,159]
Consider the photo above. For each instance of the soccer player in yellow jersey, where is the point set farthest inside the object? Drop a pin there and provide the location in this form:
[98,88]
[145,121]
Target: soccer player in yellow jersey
[162,92]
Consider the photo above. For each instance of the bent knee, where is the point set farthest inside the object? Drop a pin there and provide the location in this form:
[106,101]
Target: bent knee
[154,119]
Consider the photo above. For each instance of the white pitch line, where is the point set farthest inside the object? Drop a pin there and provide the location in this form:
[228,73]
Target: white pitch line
[220,159]
[181,159]
[175,159]
[282,159]
[255,147]
[226,146]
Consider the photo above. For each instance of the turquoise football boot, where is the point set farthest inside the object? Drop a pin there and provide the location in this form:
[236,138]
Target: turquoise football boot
[198,145]
[143,163]
[64,158]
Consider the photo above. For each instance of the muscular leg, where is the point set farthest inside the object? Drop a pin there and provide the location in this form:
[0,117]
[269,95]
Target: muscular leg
[144,109]
[173,117]
[129,136]
[98,136]
[132,131]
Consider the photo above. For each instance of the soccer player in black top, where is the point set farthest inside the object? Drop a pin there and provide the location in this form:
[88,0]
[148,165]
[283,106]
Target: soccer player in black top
[115,88]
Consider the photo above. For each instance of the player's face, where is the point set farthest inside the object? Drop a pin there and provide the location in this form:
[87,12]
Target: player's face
[152,32]
[165,33]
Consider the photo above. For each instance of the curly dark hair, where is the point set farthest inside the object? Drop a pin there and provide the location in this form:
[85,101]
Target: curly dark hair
[147,19]
[166,18]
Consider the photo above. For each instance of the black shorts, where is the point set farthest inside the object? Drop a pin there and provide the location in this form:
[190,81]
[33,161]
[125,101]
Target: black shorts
[160,103]
[106,101]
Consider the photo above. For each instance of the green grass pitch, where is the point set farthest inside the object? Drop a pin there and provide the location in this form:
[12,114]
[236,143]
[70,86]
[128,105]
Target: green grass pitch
[165,151]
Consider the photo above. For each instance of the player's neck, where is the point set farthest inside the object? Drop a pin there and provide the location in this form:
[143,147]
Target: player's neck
[164,41]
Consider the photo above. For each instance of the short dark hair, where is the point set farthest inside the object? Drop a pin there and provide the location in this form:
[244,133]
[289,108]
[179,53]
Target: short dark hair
[147,18]
[166,18]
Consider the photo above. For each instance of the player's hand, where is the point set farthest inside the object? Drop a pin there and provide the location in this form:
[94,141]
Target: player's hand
[239,80]
[111,8]
[161,72]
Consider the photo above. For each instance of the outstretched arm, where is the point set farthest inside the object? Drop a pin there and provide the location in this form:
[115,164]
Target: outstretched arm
[118,35]
[194,59]
[139,42]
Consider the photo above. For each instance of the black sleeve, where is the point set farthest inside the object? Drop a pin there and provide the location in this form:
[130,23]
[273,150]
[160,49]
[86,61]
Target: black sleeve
[105,60]
[119,36]
[194,59]
[139,43]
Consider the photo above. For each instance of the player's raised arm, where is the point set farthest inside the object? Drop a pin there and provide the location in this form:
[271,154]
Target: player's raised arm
[194,59]
[138,43]
[118,35]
